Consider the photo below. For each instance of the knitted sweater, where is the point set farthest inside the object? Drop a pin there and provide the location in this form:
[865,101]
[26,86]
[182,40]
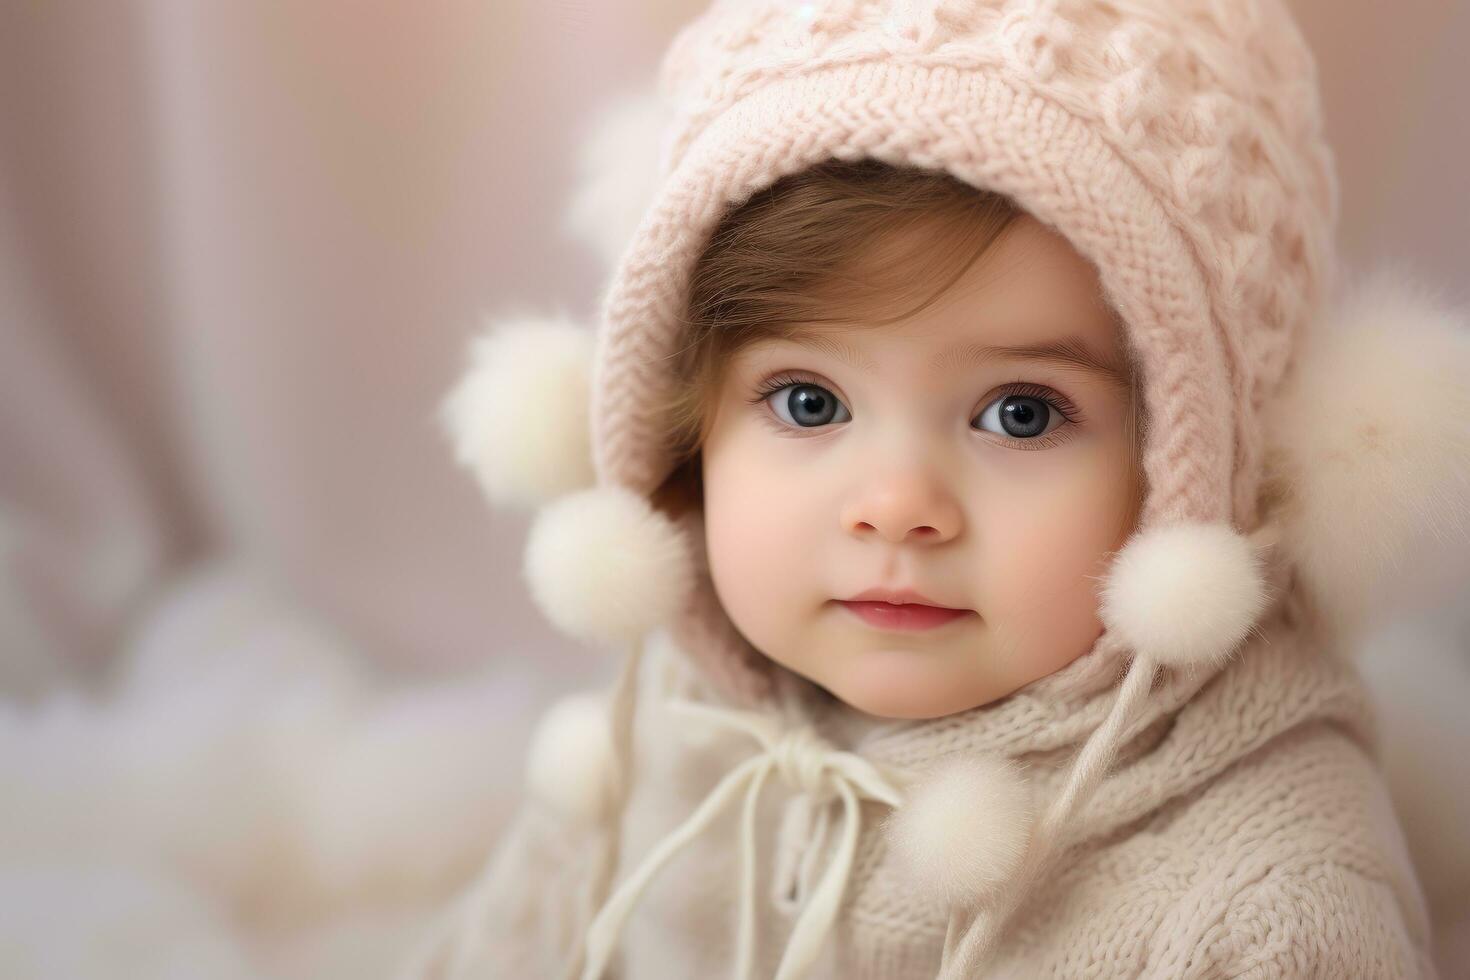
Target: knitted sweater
[1245,831]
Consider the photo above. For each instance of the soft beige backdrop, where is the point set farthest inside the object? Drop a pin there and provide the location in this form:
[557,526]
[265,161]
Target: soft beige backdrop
[242,246]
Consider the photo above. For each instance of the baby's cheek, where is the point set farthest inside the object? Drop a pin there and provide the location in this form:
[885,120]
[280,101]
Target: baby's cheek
[754,525]
[1043,547]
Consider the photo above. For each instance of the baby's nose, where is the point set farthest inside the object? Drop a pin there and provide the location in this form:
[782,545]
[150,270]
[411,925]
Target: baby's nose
[907,507]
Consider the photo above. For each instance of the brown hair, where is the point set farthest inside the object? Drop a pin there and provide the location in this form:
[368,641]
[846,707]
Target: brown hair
[830,245]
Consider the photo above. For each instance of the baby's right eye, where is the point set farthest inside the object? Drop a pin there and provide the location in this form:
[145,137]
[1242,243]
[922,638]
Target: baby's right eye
[806,405]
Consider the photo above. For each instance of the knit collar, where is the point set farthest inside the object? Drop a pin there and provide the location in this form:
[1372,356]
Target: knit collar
[1193,726]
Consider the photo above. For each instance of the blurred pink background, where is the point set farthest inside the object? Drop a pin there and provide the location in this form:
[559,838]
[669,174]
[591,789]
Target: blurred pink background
[242,248]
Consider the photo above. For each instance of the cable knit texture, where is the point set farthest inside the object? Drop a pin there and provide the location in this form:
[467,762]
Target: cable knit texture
[1214,817]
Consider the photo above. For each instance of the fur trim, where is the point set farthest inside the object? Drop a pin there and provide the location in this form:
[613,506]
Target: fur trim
[1184,594]
[569,764]
[1371,453]
[604,565]
[618,173]
[518,418]
[964,828]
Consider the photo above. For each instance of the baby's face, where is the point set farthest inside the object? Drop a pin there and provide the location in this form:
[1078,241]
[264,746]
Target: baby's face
[924,455]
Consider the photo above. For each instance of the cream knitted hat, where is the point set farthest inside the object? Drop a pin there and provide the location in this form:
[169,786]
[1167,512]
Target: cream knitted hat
[1178,145]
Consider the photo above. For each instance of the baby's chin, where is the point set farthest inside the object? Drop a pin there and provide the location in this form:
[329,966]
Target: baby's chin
[900,682]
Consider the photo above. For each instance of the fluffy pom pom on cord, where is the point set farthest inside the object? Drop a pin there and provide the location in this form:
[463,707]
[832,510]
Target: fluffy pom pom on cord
[963,830]
[1184,594]
[602,564]
[1371,452]
[518,416]
[569,765]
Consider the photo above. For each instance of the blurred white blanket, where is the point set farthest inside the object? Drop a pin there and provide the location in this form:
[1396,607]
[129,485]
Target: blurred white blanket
[241,801]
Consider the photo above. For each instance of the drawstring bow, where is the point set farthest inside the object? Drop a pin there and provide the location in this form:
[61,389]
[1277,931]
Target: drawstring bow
[809,764]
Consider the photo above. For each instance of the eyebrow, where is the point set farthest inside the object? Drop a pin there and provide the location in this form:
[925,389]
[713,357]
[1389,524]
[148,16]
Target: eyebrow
[1068,351]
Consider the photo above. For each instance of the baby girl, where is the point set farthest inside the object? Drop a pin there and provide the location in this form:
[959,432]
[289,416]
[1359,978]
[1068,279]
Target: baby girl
[961,464]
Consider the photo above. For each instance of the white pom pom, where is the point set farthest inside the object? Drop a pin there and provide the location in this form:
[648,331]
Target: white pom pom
[518,418]
[618,165]
[1372,453]
[1184,594]
[964,829]
[570,763]
[603,564]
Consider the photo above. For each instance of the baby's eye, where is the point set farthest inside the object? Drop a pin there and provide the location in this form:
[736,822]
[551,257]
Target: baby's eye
[1020,417]
[807,405]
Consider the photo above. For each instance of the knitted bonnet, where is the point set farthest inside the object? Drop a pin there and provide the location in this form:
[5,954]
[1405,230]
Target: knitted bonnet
[1177,144]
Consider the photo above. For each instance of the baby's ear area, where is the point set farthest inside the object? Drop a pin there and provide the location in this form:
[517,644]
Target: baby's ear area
[518,417]
[619,165]
[1368,453]
[1184,595]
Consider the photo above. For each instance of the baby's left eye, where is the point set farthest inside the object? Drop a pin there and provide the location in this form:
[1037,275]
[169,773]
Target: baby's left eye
[1020,417]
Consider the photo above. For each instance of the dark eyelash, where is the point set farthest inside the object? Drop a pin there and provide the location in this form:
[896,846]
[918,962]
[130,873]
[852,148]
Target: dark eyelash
[785,379]
[1051,396]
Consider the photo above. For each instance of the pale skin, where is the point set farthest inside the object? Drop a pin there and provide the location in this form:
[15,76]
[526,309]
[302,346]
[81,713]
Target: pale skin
[902,465]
